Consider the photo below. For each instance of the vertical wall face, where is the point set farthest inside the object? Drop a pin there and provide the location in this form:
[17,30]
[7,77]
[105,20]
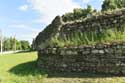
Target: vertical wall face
[50,31]
[106,58]
[99,58]
[96,23]
[114,20]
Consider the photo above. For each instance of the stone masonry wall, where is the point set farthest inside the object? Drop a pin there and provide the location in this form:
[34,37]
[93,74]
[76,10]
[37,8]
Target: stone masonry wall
[103,58]
[50,31]
[114,19]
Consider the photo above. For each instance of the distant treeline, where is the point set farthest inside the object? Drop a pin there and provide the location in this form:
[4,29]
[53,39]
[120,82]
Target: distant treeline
[14,44]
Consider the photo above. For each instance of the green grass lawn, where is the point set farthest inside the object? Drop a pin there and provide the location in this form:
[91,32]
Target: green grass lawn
[21,68]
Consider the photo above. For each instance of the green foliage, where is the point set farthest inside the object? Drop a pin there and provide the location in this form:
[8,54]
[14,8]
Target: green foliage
[120,3]
[33,45]
[25,45]
[112,4]
[10,44]
[18,45]
[77,14]
[7,45]
[89,38]
[13,44]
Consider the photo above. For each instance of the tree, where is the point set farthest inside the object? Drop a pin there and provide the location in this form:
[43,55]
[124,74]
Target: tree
[112,4]
[78,13]
[33,46]
[120,3]
[13,44]
[68,17]
[89,9]
[6,44]
[25,45]
[18,45]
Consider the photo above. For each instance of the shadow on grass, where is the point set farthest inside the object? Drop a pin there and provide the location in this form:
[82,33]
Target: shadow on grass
[31,68]
[25,69]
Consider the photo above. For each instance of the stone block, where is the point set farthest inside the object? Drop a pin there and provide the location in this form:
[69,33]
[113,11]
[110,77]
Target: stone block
[107,60]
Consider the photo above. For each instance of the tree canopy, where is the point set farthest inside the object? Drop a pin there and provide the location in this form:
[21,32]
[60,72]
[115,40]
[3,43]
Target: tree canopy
[25,45]
[14,44]
[78,13]
[112,4]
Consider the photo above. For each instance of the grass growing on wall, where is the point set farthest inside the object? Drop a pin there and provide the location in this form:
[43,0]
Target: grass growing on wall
[89,38]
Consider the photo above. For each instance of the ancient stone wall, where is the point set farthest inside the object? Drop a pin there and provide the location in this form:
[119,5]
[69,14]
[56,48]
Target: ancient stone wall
[103,58]
[114,19]
[50,31]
